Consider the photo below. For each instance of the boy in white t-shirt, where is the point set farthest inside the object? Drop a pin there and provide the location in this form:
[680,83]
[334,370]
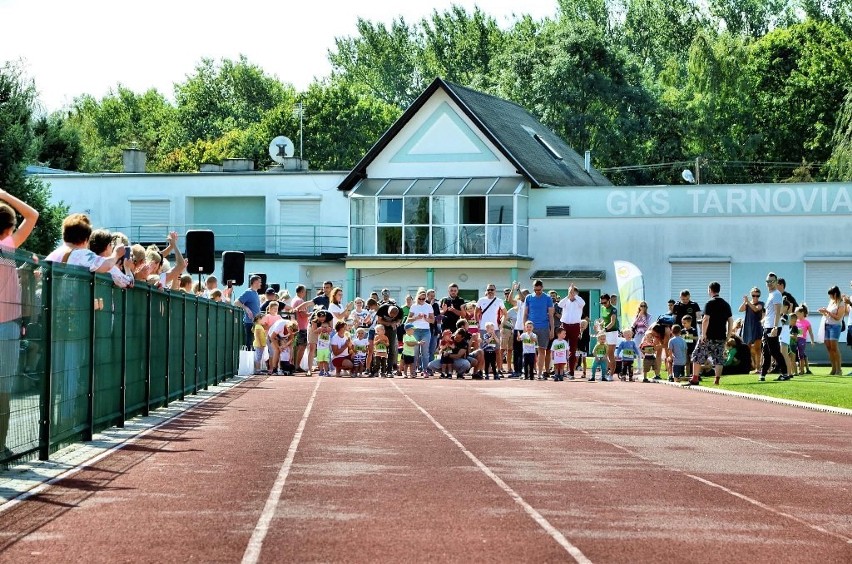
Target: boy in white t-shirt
[559,351]
[360,344]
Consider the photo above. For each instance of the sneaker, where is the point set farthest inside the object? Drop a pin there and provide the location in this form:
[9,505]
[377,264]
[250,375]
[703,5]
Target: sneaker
[570,376]
[762,379]
[808,371]
[671,379]
[657,377]
[782,378]
[645,380]
[592,379]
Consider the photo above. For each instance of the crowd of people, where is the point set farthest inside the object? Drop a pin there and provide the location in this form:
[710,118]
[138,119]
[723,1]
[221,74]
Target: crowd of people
[534,335]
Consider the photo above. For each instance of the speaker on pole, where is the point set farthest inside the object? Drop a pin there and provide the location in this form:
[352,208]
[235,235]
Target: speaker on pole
[199,251]
[234,268]
[275,287]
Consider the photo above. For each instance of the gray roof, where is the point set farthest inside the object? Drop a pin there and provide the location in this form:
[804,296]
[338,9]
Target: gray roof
[539,155]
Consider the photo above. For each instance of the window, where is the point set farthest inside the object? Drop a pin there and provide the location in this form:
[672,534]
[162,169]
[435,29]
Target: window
[389,241]
[473,210]
[390,210]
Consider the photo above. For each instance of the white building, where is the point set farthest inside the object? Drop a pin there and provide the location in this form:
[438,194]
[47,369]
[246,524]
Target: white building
[472,189]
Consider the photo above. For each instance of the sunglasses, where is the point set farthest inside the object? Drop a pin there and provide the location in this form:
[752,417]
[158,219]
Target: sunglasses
[771,281]
[755,295]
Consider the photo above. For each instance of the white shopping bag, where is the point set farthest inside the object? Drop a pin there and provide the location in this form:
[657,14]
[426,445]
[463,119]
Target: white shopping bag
[304,363]
[246,363]
[820,335]
[265,358]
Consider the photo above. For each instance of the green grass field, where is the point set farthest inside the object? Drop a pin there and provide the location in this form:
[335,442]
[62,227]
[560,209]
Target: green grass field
[818,387]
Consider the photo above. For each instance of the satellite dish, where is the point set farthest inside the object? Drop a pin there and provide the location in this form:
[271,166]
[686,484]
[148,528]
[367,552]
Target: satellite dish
[688,176]
[280,148]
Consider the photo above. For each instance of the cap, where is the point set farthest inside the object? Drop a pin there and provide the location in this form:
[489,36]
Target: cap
[506,290]
[385,291]
[409,326]
[270,291]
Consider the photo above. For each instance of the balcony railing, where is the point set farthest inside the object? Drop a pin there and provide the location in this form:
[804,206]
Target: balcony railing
[285,240]
[78,354]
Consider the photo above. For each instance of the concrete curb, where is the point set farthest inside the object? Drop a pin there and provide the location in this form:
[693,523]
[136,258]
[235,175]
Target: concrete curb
[25,479]
[767,399]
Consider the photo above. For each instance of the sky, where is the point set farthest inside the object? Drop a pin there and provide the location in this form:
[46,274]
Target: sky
[90,46]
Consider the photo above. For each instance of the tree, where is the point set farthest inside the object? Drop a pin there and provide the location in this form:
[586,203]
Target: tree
[58,142]
[17,148]
[840,165]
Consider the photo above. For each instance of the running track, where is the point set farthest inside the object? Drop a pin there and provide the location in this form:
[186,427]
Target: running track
[316,470]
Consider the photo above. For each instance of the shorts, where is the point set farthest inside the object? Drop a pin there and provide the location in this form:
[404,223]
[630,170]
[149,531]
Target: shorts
[337,362]
[313,337]
[506,338]
[706,350]
[371,334]
[543,336]
[323,355]
[678,370]
[406,359]
[302,337]
[612,337]
[832,331]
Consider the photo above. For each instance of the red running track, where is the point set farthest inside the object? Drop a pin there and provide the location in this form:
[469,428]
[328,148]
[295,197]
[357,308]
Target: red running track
[307,469]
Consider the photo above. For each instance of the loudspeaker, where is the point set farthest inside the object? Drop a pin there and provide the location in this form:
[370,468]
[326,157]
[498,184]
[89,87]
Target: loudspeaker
[276,287]
[234,268]
[199,252]
[262,275]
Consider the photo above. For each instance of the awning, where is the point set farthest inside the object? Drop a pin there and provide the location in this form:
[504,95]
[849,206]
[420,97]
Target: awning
[569,274]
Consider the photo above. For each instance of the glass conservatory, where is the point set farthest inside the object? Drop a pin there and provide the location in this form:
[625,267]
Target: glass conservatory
[439,217]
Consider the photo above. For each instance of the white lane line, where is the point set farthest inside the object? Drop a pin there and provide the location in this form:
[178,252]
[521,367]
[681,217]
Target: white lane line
[537,517]
[765,507]
[255,544]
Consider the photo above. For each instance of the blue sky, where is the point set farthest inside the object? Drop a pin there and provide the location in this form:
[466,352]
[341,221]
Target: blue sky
[89,46]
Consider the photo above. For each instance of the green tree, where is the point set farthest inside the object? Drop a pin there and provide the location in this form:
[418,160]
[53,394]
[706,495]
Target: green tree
[17,149]
[840,164]
[58,142]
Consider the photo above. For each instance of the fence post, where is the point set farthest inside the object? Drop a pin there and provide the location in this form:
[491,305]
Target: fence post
[46,389]
[183,346]
[90,397]
[145,409]
[168,346]
[122,391]
[195,336]
[216,368]
[206,352]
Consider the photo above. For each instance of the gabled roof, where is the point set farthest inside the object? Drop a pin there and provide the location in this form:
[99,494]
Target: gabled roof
[538,154]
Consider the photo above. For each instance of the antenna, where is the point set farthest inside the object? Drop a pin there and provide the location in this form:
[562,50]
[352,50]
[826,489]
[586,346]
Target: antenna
[688,176]
[299,112]
[280,149]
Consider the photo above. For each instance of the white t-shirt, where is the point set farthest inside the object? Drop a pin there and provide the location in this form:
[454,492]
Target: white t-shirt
[277,328]
[572,312]
[423,309]
[336,311]
[490,316]
[773,298]
[530,342]
[360,348]
[323,340]
[339,341]
[559,350]
[78,257]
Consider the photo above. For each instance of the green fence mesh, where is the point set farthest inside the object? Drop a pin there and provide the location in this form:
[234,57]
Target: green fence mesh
[78,354]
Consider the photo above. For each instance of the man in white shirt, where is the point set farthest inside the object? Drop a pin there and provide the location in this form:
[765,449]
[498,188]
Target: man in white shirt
[771,328]
[491,309]
[572,313]
[518,351]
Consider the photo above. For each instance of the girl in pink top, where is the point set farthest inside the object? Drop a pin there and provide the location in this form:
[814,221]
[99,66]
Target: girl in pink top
[802,340]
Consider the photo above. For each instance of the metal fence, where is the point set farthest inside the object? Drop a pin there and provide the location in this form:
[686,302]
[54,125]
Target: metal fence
[78,354]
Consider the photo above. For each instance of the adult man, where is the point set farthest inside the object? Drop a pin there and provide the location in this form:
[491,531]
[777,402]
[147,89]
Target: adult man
[451,308]
[300,306]
[609,315]
[491,309]
[538,308]
[716,325]
[572,313]
[686,307]
[435,326]
[271,296]
[250,302]
[770,346]
[459,356]
[323,299]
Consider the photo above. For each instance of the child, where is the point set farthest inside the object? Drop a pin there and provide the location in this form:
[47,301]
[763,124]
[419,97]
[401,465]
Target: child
[650,343]
[801,343]
[409,342]
[380,353]
[730,354]
[599,353]
[690,335]
[323,349]
[583,345]
[476,355]
[677,351]
[360,317]
[259,342]
[445,350]
[627,351]
[792,345]
[559,354]
[490,343]
[529,341]
[359,344]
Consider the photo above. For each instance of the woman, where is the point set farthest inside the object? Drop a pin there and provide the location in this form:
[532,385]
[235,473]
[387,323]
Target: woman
[336,309]
[833,313]
[752,327]
[640,326]
[421,315]
[10,301]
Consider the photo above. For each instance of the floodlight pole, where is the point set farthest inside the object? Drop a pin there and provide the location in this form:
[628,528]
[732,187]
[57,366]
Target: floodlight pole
[697,171]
